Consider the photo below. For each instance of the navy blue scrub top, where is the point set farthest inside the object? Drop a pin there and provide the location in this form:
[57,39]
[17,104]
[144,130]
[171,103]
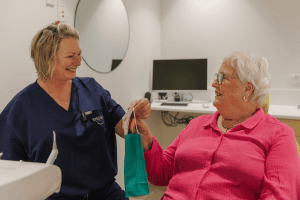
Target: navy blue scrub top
[87,149]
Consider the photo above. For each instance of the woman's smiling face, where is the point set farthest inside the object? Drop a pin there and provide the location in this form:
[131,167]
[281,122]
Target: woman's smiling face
[230,93]
[68,59]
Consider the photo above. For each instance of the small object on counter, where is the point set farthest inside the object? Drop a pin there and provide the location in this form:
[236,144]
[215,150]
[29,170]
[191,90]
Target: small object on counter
[205,105]
[176,96]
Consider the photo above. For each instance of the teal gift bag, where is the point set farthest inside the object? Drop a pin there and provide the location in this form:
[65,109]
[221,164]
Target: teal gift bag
[136,181]
[135,175]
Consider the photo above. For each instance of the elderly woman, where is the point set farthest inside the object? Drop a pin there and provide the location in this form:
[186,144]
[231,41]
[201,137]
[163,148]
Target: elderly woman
[238,152]
[80,111]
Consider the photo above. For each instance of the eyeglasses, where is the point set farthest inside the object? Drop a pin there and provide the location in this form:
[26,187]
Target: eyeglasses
[220,77]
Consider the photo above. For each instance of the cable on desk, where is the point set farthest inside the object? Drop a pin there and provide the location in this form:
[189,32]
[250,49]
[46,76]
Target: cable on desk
[172,121]
[191,98]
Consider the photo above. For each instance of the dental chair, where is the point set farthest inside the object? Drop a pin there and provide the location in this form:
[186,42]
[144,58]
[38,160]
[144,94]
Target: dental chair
[30,180]
[298,147]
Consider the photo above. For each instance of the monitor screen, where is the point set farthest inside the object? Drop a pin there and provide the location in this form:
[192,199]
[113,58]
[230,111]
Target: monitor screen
[115,63]
[184,74]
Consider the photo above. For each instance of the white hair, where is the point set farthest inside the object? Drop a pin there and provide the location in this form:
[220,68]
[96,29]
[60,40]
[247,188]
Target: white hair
[254,69]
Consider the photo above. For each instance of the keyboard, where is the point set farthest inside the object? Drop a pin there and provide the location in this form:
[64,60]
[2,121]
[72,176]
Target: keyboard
[173,104]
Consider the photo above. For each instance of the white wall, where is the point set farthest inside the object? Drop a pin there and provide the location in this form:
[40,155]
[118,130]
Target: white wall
[21,20]
[212,29]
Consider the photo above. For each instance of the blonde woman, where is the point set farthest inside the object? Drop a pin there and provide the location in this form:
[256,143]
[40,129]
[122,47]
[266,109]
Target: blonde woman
[238,152]
[80,111]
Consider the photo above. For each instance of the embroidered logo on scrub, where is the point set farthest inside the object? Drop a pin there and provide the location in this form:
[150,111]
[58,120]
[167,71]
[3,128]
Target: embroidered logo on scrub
[99,120]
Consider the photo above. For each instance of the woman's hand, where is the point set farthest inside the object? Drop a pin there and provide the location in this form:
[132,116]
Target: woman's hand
[146,136]
[144,130]
[142,108]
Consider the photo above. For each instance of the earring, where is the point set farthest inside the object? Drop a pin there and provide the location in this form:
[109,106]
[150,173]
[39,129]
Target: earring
[244,98]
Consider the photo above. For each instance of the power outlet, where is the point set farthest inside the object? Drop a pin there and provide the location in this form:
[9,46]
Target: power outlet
[61,15]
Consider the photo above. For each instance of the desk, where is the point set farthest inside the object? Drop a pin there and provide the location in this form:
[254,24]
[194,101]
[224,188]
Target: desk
[277,111]
[286,114]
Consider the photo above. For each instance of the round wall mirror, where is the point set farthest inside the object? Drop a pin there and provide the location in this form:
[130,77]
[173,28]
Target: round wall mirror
[104,33]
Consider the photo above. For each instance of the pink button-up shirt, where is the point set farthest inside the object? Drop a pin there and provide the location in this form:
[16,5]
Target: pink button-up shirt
[257,159]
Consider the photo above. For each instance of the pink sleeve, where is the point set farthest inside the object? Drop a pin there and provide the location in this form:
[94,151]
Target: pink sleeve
[281,168]
[159,163]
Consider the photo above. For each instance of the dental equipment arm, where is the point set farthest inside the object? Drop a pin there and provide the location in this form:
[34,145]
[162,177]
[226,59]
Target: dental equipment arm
[54,151]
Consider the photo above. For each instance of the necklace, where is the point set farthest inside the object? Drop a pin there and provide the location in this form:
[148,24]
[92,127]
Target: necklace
[227,127]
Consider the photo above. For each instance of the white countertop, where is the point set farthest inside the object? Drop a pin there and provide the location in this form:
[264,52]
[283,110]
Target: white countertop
[277,111]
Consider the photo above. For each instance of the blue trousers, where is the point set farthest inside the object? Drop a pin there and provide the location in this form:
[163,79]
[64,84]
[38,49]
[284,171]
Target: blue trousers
[112,191]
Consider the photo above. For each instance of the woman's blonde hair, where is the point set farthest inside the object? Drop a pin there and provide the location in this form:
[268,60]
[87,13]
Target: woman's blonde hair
[254,69]
[45,44]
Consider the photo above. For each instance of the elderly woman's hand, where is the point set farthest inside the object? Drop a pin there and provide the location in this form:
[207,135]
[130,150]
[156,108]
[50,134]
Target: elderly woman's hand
[142,108]
[146,136]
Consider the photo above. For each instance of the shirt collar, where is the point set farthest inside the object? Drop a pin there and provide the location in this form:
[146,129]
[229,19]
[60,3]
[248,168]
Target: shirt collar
[213,120]
[253,121]
[249,123]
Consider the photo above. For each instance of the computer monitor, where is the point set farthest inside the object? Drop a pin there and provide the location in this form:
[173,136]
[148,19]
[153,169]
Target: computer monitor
[179,75]
[115,63]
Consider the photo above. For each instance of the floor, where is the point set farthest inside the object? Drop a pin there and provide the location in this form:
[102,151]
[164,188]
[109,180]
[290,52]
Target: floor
[156,193]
